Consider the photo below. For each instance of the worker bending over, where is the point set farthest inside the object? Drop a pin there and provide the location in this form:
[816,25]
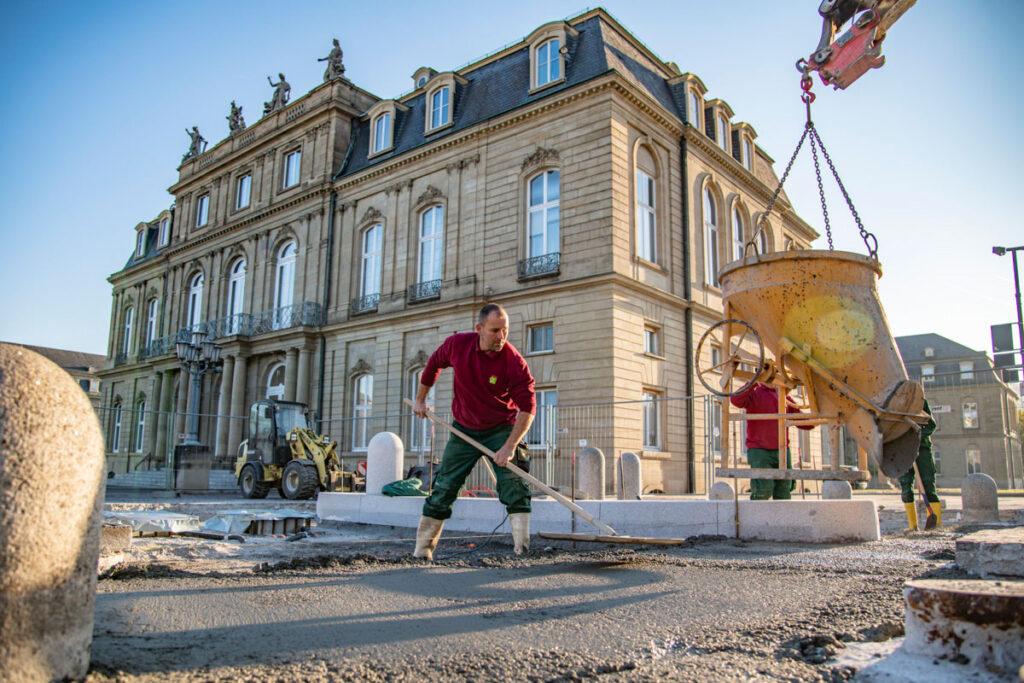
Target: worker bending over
[763,440]
[494,403]
[926,466]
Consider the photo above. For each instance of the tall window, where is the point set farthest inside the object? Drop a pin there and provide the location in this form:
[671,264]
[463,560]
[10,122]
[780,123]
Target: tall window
[762,240]
[140,425]
[927,374]
[202,210]
[236,295]
[165,232]
[542,430]
[115,431]
[422,435]
[275,382]
[651,421]
[696,107]
[710,239]
[937,457]
[292,164]
[439,107]
[150,321]
[748,154]
[126,336]
[973,460]
[543,214]
[431,243]
[738,240]
[371,260]
[646,220]
[284,286]
[382,132]
[362,407]
[548,68]
[970,413]
[540,338]
[652,344]
[966,370]
[195,301]
[723,132]
[243,191]
[140,243]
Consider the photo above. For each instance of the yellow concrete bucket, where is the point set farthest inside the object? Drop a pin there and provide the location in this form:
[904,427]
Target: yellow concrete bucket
[821,309]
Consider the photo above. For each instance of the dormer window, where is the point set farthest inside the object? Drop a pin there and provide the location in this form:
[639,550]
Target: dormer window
[748,154]
[549,48]
[441,91]
[165,232]
[722,132]
[383,118]
[440,107]
[695,108]
[421,81]
[382,132]
[140,243]
[929,352]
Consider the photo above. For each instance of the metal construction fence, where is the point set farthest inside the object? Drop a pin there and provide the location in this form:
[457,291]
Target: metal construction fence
[656,429]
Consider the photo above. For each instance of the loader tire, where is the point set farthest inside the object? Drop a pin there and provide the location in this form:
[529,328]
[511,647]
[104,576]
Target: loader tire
[299,481]
[251,485]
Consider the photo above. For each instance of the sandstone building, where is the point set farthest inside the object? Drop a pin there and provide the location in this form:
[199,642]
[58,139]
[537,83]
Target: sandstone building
[573,177]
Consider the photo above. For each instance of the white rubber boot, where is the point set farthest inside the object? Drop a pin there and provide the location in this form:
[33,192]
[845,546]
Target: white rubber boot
[520,523]
[427,535]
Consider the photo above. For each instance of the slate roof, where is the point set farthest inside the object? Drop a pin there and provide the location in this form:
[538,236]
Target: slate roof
[503,85]
[912,349]
[69,360]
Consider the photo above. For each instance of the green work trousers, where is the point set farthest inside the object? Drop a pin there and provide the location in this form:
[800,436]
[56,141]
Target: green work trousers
[925,463]
[765,489]
[458,461]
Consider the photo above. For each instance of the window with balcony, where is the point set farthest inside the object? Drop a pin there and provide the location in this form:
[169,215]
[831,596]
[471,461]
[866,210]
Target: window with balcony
[439,107]
[243,191]
[370,269]
[195,302]
[140,425]
[284,285]
[966,370]
[381,133]
[126,332]
[541,434]
[540,338]
[548,63]
[738,232]
[542,239]
[646,218]
[236,295]
[202,210]
[362,408]
[651,421]
[292,166]
[970,415]
[710,238]
[151,321]
[431,253]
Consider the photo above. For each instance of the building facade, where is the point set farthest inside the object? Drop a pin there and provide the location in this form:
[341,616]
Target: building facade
[590,188]
[975,411]
[83,367]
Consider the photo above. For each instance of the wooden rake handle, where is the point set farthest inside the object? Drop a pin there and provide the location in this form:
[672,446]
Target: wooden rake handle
[526,476]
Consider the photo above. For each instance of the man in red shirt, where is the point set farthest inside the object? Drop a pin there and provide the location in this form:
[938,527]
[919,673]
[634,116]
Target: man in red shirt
[763,440]
[494,403]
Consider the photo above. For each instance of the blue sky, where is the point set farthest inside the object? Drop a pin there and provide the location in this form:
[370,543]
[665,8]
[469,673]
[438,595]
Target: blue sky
[99,94]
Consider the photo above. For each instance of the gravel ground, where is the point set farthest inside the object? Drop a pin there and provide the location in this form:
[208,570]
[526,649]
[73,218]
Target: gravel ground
[348,603]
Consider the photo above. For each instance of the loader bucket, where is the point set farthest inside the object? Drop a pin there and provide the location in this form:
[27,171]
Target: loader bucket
[826,303]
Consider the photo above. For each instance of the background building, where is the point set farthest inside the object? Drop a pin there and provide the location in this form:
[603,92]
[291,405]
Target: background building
[83,367]
[976,412]
[573,177]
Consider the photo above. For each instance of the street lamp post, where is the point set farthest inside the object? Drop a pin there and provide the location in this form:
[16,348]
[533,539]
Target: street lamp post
[197,357]
[1000,251]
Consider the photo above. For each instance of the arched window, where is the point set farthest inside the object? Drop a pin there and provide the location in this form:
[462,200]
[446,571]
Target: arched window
[646,207]
[440,109]
[195,302]
[362,408]
[284,285]
[762,239]
[738,232]
[382,132]
[710,238]
[422,431]
[696,109]
[115,428]
[542,235]
[236,295]
[371,261]
[548,63]
[431,244]
[126,334]
[140,425]
[150,321]
[275,382]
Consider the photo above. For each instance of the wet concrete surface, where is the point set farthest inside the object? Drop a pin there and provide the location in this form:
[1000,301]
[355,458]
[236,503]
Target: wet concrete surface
[348,603]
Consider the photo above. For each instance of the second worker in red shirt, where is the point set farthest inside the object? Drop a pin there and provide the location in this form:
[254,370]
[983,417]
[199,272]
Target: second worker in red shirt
[494,403]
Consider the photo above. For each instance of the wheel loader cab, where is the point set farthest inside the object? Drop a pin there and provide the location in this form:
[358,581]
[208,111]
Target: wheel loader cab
[269,424]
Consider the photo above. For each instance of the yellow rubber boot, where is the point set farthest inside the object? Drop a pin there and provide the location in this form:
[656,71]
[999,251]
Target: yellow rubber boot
[911,516]
[937,509]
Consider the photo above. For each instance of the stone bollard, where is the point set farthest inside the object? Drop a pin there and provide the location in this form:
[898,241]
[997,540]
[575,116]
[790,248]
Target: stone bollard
[722,490]
[632,481]
[836,490]
[384,458]
[590,473]
[980,497]
[51,502]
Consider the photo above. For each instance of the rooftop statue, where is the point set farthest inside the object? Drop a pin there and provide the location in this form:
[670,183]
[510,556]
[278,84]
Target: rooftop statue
[235,121]
[280,97]
[335,69]
[197,146]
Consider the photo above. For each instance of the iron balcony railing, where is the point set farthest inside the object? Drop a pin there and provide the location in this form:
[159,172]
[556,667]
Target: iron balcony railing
[538,266]
[425,291]
[365,304]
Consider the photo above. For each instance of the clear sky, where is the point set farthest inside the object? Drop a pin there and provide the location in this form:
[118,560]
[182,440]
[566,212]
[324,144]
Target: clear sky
[99,95]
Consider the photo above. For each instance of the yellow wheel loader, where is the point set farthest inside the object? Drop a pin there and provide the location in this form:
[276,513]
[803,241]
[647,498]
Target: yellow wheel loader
[283,452]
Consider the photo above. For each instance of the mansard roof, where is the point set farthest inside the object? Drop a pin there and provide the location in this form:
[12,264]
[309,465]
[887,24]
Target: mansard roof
[912,349]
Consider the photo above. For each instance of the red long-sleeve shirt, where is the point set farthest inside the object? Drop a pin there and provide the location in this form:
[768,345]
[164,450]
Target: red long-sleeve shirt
[490,388]
[761,399]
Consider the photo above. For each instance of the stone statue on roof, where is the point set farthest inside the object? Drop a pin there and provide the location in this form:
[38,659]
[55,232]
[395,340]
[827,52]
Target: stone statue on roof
[280,96]
[197,146]
[335,69]
[235,121]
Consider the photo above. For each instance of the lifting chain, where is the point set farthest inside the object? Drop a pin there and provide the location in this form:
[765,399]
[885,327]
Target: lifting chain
[870,241]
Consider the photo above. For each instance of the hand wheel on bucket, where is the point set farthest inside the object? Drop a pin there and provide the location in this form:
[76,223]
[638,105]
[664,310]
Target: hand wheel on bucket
[728,365]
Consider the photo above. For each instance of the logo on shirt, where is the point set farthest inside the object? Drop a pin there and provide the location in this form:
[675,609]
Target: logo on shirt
[493,379]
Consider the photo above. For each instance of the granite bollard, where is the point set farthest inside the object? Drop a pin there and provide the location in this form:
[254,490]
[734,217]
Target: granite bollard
[632,481]
[51,502]
[590,473]
[980,497]
[384,458]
